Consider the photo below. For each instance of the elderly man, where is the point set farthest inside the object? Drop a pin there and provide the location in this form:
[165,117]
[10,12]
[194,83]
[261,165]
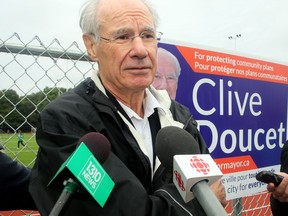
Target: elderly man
[116,101]
[168,72]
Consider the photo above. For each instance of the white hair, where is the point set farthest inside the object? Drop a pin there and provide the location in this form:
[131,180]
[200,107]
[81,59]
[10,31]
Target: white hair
[174,59]
[89,22]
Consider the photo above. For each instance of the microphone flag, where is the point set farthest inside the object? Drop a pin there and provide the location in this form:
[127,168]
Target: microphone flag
[190,169]
[89,172]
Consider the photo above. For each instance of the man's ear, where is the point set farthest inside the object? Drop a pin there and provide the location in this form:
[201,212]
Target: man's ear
[90,44]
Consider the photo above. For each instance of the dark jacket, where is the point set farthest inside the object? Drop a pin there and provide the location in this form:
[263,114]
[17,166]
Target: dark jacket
[14,181]
[281,208]
[87,109]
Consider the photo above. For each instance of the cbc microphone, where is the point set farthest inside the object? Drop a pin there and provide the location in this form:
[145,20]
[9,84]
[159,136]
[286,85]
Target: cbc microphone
[83,170]
[193,172]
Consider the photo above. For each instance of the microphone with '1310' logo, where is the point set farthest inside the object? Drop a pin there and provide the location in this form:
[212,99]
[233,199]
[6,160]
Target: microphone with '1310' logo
[83,170]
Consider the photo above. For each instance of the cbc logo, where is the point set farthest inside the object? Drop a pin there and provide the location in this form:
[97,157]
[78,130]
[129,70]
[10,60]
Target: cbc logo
[179,180]
[200,165]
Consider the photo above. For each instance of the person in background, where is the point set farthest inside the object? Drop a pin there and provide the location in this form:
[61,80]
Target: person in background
[168,72]
[119,102]
[20,136]
[279,194]
[14,181]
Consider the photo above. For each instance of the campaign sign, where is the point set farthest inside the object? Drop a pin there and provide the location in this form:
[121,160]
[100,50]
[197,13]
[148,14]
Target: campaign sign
[240,104]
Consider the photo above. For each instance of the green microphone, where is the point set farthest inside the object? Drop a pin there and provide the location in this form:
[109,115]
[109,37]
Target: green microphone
[84,167]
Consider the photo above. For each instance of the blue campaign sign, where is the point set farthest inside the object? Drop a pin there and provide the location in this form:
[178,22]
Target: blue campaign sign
[241,106]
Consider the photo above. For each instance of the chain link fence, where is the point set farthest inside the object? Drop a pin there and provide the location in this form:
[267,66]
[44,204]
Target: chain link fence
[31,75]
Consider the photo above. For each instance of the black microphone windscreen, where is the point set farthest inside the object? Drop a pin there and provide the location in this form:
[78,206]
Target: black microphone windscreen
[98,144]
[172,141]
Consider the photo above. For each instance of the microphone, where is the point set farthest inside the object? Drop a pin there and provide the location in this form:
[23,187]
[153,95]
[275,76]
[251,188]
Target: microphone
[192,172]
[83,167]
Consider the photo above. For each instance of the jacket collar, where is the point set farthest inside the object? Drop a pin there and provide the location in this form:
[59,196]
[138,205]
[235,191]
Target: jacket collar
[165,115]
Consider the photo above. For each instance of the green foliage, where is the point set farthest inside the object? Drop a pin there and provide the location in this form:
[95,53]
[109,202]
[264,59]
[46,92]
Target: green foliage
[21,112]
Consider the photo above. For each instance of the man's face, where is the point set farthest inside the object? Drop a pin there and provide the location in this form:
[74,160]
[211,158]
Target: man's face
[128,67]
[166,77]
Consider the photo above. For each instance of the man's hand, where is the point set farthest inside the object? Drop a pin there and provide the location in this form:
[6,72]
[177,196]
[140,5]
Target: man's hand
[281,192]
[219,190]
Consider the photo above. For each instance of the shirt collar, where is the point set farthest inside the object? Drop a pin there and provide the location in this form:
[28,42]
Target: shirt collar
[150,103]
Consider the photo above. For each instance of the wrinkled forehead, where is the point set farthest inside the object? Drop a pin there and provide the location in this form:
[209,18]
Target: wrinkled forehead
[114,14]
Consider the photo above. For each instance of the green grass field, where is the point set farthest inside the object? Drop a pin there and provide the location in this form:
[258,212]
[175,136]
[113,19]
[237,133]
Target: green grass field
[25,154]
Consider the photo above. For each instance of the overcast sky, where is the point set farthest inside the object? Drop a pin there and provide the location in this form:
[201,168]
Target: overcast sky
[263,24]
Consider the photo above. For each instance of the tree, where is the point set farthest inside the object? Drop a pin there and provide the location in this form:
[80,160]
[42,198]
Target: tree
[23,112]
[8,100]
